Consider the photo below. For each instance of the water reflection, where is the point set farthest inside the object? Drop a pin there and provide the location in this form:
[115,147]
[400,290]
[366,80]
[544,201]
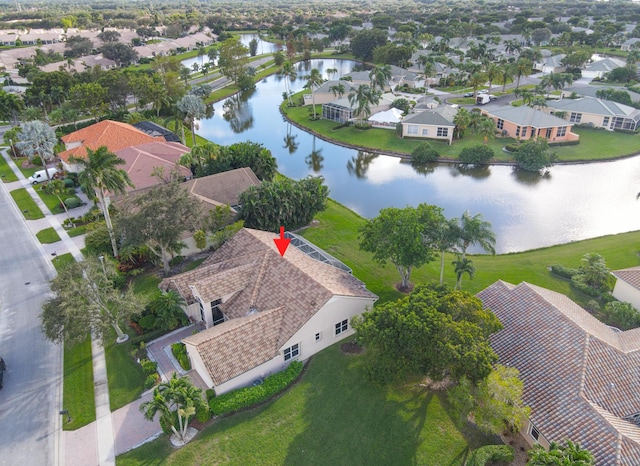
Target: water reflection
[474,171]
[527,211]
[237,111]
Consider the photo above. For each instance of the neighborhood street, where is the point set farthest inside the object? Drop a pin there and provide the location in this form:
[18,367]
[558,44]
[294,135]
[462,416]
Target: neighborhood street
[31,398]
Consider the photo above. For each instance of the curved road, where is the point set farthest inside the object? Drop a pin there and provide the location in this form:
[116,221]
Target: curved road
[31,398]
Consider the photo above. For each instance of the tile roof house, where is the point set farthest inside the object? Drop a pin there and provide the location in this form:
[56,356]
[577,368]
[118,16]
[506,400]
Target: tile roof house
[596,112]
[627,287]
[112,134]
[599,68]
[263,310]
[525,123]
[222,188]
[430,124]
[580,376]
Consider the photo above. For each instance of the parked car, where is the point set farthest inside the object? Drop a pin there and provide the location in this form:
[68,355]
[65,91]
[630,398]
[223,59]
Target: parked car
[3,367]
[41,176]
[483,91]
[468,94]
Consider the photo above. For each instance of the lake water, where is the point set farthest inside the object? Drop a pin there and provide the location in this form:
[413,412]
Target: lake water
[263,47]
[527,211]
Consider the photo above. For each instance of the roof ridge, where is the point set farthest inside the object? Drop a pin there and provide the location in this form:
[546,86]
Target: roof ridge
[585,357]
[260,277]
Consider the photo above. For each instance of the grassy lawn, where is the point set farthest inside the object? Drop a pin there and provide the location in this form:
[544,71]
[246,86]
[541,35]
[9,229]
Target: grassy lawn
[6,174]
[78,396]
[146,284]
[48,236]
[337,233]
[334,415]
[26,204]
[52,201]
[61,261]
[126,377]
[77,231]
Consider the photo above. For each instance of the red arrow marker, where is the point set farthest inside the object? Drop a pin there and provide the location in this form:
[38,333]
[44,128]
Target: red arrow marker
[282,243]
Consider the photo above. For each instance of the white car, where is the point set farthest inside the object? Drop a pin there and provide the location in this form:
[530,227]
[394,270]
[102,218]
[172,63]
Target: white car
[41,176]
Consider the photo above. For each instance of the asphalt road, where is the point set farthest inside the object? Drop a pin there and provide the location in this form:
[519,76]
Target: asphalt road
[31,398]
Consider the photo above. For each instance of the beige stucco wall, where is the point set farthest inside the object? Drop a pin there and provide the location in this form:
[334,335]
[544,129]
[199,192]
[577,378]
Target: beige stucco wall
[624,292]
[198,364]
[432,132]
[526,434]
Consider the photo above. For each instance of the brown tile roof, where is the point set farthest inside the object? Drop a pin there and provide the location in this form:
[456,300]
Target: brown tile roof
[223,188]
[112,134]
[630,276]
[140,161]
[249,270]
[580,376]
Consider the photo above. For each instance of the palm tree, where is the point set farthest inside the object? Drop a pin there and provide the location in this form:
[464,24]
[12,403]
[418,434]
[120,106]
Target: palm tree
[58,189]
[595,271]
[199,156]
[36,140]
[289,72]
[100,175]
[446,237]
[331,71]
[474,230]
[463,265]
[380,76]
[361,98]
[193,108]
[506,74]
[427,72]
[168,306]
[475,81]
[178,395]
[487,128]
[492,72]
[314,80]
[462,121]
[212,53]
[522,68]
[338,90]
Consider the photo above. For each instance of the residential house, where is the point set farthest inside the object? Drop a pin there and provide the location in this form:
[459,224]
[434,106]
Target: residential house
[263,310]
[629,44]
[599,68]
[579,375]
[627,287]
[551,64]
[596,112]
[112,134]
[323,94]
[222,188]
[525,123]
[342,110]
[431,124]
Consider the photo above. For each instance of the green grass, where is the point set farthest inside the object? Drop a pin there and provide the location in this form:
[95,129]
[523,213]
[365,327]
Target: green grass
[334,415]
[126,377]
[48,236]
[337,233]
[146,284]
[26,204]
[51,201]
[77,231]
[78,397]
[61,261]
[6,173]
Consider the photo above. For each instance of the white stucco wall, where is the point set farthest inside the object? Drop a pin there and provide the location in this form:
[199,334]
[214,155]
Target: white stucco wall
[198,364]
[624,292]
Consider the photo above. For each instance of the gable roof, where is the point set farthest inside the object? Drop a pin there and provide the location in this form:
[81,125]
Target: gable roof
[222,188]
[525,116]
[112,134]
[606,65]
[580,376]
[630,276]
[249,273]
[439,116]
[595,106]
[141,160]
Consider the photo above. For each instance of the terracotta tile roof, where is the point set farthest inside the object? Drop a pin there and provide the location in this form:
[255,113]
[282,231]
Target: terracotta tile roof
[250,273]
[140,161]
[112,134]
[581,377]
[223,188]
[630,276]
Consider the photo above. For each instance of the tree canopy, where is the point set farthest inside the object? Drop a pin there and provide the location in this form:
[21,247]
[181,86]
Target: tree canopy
[534,155]
[433,332]
[242,154]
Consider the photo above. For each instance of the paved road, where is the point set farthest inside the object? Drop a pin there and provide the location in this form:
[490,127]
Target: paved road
[31,398]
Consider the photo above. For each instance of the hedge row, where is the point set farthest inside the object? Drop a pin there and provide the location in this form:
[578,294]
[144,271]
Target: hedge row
[566,272]
[249,396]
[488,453]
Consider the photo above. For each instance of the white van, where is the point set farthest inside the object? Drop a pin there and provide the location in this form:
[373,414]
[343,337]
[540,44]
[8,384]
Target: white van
[41,176]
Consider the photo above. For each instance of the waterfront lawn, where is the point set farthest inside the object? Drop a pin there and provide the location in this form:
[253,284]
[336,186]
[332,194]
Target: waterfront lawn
[48,236]
[598,144]
[337,233]
[78,397]
[333,415]
[26,204]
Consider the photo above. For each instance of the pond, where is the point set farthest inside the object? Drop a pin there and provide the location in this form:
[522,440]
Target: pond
[263,47]
[527,211]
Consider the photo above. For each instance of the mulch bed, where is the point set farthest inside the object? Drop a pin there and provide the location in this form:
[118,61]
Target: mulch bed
[351,347]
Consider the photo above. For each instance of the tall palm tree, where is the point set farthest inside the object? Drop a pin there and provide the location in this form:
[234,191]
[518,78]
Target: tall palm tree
[487,128]
[36,140]
[428,70]
[380,76]
[193,108]
[362,98]
[506,74]
[475,230]
[492,72]
[338,90]
[522,68]
[289,72]
[463,265]
[462,121]
[446,237]
[314,80]
[475,81]
[168,308]
[99,174]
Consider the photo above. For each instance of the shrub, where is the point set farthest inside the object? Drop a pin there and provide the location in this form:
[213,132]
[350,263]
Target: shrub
[577,281]
[97,241]
[249,396]
[203,414]
[149,367]
[72,202]
[513,147]
[146,337]
[477,155]
[69,183]
[151,380]
[176,260]
[566,272]
[621,315]
[424,153]
[148,322]
[210,393]
[180,353]
[488,453]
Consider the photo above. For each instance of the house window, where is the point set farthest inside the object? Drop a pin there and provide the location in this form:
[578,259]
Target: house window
[318,336]
[500,123]
[443,132]
[605,122]
[292,352]
[535,433]
[425,131]
[217,317]
[575,117]
[524,132]
[562,131]
[549,131]
[517,131]
[201,311]
[412,129]
[342,326]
